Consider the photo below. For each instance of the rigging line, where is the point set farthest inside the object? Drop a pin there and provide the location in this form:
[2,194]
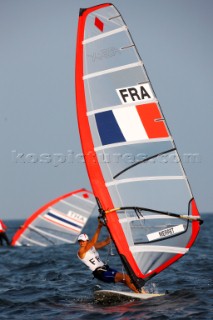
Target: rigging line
[144,160]
[100,210]
[138,213]
[175,215]
[109,250]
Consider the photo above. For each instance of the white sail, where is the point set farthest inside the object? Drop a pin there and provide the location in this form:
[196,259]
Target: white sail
[131,158]
[59,221]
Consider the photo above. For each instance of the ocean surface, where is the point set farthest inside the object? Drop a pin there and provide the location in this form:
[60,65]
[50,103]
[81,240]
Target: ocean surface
[51,283]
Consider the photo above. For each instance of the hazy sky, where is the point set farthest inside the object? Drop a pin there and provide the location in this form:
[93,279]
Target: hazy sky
[40,147]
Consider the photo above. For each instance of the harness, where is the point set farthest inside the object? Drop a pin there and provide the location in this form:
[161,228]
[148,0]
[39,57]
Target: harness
[98,271]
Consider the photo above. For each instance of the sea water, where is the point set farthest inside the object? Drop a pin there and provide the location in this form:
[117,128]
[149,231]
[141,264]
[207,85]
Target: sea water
[51,283]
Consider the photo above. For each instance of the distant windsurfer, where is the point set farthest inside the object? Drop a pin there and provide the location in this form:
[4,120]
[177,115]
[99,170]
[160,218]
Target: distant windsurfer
[3,235]
[88,254]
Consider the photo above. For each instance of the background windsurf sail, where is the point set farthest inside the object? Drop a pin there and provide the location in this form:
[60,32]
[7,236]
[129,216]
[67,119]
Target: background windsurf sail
[131,158]
[57,222]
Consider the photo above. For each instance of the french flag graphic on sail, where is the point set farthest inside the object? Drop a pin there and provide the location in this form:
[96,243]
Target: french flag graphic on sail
[142,122]
[62,220]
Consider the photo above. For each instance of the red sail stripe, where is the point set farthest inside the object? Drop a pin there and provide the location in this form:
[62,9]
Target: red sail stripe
[152,120]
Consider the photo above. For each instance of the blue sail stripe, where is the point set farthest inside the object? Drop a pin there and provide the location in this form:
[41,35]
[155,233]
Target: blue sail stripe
[63,220]
[108,128]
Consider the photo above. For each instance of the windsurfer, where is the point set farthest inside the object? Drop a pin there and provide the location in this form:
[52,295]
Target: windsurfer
[88,254]
[3,235]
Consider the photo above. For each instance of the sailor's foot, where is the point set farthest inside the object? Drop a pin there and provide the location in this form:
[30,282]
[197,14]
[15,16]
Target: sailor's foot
[143,290]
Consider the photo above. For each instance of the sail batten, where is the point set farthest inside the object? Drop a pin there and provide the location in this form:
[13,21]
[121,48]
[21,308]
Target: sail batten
[101,36]
[153,217]
[49,234]
[130,155]
[75,207]
[93,112]
[107,71]
[132,180]
[142,141]
[158,249]
[31,241]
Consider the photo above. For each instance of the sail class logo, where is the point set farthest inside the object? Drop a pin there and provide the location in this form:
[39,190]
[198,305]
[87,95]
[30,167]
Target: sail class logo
[105,53]
[138,93]
[99,24]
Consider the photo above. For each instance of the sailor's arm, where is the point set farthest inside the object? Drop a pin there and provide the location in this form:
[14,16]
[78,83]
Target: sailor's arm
[92,242]
[103,243]
[97,232]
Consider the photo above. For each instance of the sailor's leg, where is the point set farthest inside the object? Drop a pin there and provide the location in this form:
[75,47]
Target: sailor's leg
[124,278]
[4,236]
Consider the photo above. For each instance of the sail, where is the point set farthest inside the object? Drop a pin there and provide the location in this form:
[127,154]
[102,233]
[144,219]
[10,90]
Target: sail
[131,158]
[57,222]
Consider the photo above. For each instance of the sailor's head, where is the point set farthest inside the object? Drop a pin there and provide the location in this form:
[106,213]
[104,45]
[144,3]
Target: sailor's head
[83,237]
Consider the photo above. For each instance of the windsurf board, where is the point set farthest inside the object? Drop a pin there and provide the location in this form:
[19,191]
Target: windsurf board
[106,295]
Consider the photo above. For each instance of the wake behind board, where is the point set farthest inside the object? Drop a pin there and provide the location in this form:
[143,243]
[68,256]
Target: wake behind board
[111,295]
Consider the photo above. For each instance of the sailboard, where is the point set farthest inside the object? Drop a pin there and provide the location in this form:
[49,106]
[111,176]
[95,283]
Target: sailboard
[132,161]
[57,222]
[116,296]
